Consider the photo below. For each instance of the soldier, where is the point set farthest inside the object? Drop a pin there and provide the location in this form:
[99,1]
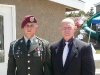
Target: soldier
[29,55]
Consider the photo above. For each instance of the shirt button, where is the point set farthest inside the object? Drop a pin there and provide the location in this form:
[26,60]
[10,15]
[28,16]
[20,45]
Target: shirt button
[28,55]
[28,61]
[28,74]
[28,67]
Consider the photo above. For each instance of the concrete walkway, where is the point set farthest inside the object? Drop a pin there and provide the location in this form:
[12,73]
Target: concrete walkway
[97,72]
[3,68]
[97,63]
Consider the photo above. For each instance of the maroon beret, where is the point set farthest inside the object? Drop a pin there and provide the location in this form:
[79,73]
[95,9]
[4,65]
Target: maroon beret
[28,18]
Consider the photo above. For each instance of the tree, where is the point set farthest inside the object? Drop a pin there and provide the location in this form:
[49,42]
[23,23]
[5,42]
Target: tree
[91,12]
[71,14]
[80,12]
[75,14]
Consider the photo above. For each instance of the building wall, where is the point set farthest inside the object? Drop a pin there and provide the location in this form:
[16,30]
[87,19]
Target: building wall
[48,14]
[98,8]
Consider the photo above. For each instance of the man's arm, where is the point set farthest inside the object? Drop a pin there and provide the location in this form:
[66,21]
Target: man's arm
[11,62]
[47,63]
[88,66]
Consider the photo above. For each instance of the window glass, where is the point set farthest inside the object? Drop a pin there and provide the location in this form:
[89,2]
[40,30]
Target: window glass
[1,39]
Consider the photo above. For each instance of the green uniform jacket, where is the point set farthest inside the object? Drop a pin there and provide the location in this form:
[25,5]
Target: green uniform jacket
[36,61]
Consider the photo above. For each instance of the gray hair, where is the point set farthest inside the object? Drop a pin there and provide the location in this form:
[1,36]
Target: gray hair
[68,20]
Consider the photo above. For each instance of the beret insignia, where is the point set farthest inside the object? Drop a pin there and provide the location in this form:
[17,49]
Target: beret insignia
[31,19]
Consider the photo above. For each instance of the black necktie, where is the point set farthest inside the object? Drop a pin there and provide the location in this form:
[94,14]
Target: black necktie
[28,44]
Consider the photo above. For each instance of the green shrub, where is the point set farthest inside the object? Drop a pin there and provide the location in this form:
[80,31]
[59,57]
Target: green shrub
[97,51]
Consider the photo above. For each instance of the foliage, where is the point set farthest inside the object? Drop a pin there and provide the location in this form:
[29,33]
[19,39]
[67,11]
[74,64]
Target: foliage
[97,51]
[80,12]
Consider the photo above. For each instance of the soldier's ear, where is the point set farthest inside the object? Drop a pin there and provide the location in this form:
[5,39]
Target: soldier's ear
[36,27]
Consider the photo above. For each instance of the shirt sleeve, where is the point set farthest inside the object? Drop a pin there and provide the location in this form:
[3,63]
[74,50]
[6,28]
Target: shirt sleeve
[11,62]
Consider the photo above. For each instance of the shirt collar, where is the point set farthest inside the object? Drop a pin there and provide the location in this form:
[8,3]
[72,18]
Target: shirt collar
[26,39]
[70,41]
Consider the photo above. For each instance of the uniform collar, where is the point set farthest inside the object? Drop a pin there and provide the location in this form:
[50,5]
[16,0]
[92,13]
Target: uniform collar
[26,39]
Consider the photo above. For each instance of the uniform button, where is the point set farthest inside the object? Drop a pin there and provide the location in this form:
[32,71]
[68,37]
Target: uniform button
[28,61]
[28,74]
[28,55]
[28,67]
[18,56]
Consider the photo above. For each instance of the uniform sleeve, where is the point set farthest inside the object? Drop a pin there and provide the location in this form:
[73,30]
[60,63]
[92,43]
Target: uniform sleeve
[88,66]
[11,63]
[47,63]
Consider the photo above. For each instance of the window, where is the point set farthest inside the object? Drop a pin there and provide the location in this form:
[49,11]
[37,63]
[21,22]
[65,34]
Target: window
[1,39]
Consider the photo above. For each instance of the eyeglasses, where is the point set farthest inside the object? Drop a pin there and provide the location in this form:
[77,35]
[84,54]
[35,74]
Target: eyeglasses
[66,28]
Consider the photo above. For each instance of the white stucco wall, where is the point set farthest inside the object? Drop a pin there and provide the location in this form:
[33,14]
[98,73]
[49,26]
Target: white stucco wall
[72,3]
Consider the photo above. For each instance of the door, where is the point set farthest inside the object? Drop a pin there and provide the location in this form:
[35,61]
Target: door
[7,34]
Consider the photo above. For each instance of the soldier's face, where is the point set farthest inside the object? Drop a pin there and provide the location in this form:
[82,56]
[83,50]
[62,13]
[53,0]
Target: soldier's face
[29,29]
[67,29]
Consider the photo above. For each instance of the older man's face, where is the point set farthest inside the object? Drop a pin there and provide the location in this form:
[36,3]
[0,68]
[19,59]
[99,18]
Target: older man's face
[67,29]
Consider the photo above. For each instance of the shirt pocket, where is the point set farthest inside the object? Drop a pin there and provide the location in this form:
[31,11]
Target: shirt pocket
[19,60]
[38,58]
[36,54]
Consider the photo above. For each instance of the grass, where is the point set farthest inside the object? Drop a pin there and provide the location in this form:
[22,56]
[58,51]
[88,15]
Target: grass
[97,51]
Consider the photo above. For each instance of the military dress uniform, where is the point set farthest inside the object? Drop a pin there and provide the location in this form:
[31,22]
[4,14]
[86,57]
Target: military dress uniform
[35,61]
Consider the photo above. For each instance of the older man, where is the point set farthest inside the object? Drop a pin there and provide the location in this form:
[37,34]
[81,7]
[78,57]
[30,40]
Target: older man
[30,54]
[71,56]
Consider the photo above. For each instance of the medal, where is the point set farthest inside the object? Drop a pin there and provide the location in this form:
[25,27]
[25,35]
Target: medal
[38,52]
[21,41]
